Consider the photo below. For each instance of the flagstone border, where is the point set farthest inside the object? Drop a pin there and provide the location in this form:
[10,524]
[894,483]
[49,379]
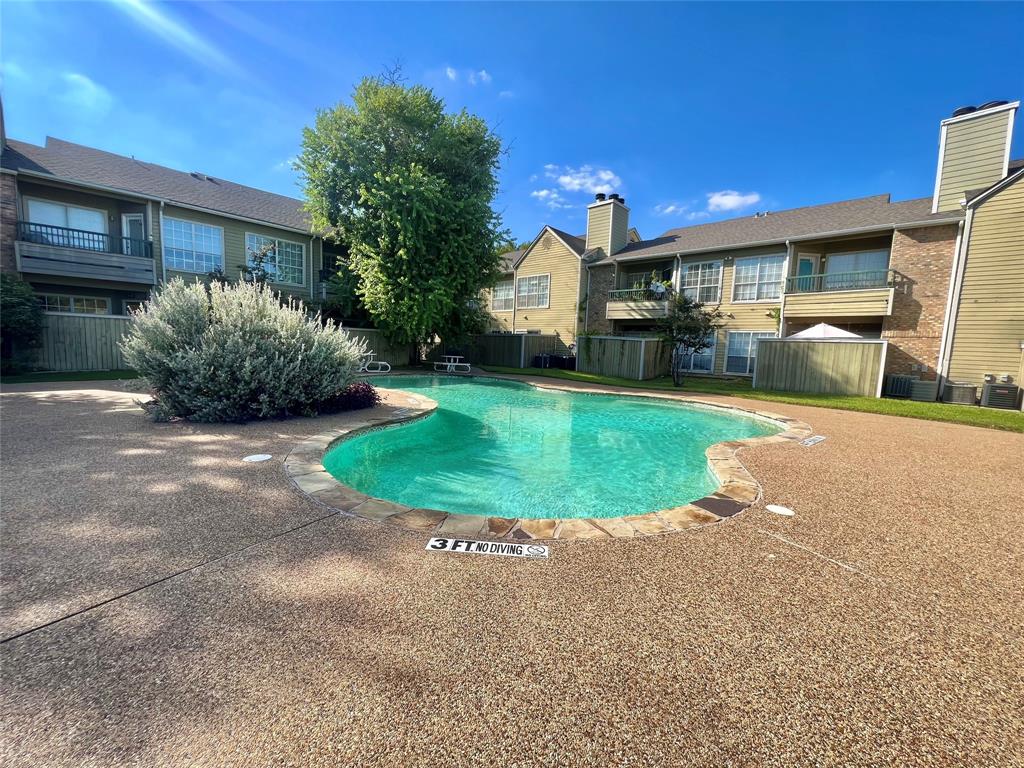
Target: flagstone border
[737,489]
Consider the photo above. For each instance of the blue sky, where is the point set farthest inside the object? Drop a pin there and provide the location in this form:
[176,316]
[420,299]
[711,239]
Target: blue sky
[693,112]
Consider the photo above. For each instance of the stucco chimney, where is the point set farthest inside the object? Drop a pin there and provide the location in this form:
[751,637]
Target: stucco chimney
[974,151]
[607,224]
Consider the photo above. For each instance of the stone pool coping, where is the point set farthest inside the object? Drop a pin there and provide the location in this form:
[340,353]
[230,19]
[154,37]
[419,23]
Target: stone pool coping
[737,488]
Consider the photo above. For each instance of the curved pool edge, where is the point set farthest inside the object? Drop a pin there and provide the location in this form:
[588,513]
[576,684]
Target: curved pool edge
[737,489]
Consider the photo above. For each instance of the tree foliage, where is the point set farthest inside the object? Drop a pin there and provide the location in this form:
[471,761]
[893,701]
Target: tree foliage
[688,326]
[408,188]
[21,321]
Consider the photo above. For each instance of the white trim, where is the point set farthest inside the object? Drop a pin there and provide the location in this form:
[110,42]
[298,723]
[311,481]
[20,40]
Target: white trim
[503,280]
[302,283]
[721,278]
[163,261]
[981,113]
[526,277]
[163,246]
[125,229]
[995,189]
[1009,141]
[782,282]
[938,168]
[953,299]
[881,367]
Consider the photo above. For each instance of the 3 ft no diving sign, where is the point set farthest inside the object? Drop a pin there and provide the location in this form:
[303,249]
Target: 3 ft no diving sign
[506,549]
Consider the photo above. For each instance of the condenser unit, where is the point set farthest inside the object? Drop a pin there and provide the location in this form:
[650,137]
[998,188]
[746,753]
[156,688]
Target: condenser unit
[898,385]
[1000,396]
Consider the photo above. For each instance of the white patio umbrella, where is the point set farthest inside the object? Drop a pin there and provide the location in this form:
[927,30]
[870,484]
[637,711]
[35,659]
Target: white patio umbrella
[823,331]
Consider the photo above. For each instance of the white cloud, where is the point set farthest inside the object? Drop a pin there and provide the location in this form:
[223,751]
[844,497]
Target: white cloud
[670,209]
[451,74]
[731,200]
[484,75]
[83,96]
[586,178]
[471,76]
[176,34]
[506,94]
[551,198]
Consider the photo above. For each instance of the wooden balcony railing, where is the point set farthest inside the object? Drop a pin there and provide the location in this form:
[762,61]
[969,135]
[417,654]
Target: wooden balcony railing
[83,240]
[827,282]
[638,294]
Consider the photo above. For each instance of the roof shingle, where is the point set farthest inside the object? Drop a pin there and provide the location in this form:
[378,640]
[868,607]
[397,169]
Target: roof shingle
[74,162]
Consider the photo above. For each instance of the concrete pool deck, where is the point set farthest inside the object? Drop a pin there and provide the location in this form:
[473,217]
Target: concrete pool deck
[880,625]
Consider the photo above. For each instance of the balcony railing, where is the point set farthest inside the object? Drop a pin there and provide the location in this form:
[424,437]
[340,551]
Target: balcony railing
[638,294]
[827,282]
[63,237]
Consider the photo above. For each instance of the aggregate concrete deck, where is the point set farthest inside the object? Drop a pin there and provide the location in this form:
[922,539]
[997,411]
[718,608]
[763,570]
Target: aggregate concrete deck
[882,625]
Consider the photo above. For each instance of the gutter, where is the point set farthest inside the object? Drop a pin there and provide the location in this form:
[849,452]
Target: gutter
[956,278]
[163,261]
[802,238]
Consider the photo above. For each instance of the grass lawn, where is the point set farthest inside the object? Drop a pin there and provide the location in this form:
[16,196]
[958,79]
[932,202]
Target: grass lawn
[956,414]
[28,378]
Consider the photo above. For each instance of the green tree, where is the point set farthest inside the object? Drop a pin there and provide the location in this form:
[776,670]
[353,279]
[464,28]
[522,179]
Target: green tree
[688,326]
[408,188]
[21,321]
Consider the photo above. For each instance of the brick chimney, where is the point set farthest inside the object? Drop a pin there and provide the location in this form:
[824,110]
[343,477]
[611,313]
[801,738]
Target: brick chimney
[974,151]
[607,223]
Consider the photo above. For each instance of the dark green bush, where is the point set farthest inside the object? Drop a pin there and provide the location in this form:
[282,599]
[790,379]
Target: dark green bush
[21,323]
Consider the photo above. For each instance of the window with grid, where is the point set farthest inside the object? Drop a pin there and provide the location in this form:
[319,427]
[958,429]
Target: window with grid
[532,292]
[758,278]
[502,297]
[703,362]
[702,282]
[81,305]
[285,261]
[741,351]
[193,247]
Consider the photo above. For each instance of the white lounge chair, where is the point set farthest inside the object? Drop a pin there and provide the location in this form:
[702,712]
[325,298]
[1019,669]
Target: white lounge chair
[369,365]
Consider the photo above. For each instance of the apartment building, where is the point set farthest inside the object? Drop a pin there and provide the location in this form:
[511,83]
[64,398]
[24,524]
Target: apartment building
[940,277]
[93,232]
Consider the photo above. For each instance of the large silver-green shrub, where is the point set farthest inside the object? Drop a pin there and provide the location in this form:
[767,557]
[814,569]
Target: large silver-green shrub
[236,352]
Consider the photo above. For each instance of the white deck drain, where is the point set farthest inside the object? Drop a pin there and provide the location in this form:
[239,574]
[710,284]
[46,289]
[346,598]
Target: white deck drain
[778,509]
[258,457]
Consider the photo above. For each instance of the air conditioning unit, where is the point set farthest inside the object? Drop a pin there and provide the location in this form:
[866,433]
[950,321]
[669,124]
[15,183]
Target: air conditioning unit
[1000,396]
[924,391]
[898,385]
[960,392]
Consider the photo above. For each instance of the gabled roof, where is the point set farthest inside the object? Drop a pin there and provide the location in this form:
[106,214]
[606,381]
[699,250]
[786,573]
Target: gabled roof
[94,167]
[779,226]
[1013,168]
[577,243]
[511,259]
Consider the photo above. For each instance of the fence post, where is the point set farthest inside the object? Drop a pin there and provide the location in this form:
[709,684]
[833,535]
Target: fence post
[640,373]
[522,351]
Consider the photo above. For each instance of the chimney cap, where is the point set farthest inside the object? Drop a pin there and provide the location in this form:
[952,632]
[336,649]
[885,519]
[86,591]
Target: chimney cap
[961,111]
[613,196]
[599,196]
[991,104]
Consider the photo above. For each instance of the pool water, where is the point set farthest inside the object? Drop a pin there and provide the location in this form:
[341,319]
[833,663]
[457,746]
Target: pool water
[505,449]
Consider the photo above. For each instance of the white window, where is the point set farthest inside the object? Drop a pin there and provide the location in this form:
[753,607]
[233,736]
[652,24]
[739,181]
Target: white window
[286,261]
[532,292]
[502,297]
[758,278]
[703,362]
[82,305]
[741,351]
[702,282]
[50,222]
[193,247]
[852,271]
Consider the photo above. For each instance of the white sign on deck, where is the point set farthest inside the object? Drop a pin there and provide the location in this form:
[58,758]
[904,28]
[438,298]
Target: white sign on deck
[506,549]
[814,440]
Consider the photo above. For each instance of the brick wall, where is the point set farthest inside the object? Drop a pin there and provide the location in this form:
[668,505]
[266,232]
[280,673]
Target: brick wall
[602,280]
[914,330]
[8,221]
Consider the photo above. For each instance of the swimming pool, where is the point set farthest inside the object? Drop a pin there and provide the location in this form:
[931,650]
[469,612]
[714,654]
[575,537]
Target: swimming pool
[505,449]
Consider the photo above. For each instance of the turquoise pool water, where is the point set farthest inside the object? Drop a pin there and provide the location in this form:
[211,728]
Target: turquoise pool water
[507,449]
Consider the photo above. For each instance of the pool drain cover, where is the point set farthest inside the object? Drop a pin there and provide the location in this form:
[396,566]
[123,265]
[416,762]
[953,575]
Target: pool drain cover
[258,457]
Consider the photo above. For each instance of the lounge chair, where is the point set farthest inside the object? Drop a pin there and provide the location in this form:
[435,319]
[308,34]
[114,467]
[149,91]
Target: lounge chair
[369,365]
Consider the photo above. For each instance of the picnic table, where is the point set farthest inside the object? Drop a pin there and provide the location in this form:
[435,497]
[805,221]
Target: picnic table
[452,364]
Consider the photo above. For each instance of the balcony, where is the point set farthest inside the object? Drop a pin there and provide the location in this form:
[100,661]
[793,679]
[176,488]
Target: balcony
[841,294]
[43,249]
[637,304]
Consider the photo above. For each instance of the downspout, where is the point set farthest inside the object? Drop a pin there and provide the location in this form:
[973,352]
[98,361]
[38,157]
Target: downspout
[586,313]
[963,236]
[785,279]
[515,298]
[312,268]
[163,261]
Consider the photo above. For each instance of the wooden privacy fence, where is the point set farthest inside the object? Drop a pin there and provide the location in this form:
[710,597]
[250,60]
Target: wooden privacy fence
[625,357]
[513,350]
[396,354]
[823,366]
[81,342]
